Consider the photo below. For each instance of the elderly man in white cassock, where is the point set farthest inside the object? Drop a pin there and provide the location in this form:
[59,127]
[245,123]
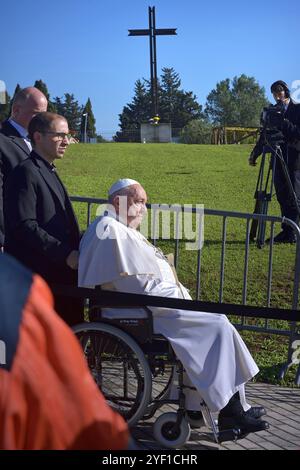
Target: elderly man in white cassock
[115,255]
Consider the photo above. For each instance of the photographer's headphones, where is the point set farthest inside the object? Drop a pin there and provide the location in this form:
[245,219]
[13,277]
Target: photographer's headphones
[279,86]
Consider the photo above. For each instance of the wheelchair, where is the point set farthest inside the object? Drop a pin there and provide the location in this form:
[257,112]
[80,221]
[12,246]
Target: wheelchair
[135,369]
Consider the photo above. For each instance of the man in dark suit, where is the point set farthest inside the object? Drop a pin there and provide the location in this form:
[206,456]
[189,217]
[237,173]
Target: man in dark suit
[14,143]
[42,230]
[289,128]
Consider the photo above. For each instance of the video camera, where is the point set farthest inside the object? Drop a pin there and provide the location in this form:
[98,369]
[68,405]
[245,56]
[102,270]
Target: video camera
[272,116]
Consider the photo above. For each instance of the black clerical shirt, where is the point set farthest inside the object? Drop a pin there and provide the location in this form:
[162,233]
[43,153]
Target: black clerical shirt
[53,176]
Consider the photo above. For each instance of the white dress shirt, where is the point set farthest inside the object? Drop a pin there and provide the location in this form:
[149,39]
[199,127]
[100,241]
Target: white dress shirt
[22,131]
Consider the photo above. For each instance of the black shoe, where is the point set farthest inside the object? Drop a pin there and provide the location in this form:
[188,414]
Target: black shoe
[243,422]
[194,414]
[256,412]
[284,237]
[195,419]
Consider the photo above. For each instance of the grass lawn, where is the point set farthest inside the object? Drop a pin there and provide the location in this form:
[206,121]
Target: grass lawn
[220,178]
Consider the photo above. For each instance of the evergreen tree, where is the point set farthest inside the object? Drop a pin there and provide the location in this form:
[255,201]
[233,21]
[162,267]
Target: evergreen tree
[90,123]
[58,105]
[135,113]
[175,106]
[71,110]
[40,85]
[17,89]
[236,104]
[101,139]
[170,84]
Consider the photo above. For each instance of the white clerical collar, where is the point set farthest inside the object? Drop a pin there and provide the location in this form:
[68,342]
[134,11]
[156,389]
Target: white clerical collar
[22,131]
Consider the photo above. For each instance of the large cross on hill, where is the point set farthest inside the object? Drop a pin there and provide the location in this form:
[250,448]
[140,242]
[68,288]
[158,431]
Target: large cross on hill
[152,32]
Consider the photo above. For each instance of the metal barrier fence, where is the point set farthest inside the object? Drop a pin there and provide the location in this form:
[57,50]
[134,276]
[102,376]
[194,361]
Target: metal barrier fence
[292,332]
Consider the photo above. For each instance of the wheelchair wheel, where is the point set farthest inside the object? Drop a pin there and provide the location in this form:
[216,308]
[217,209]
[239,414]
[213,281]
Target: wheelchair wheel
[119,368]
[167,434]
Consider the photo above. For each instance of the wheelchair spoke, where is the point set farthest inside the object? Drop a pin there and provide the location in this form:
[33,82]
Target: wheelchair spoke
[116,370]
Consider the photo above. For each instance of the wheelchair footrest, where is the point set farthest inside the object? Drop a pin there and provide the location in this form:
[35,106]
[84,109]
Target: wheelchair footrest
[229,435]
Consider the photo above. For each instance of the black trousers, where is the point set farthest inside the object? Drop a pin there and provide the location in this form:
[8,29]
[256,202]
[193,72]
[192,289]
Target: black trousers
[71,310]
[283,194]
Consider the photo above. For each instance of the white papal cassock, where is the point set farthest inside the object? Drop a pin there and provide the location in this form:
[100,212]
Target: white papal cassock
[212,352]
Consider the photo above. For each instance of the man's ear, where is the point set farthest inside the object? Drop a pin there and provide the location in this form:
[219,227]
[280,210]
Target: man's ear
[116,202]
[15,110]
[37,137]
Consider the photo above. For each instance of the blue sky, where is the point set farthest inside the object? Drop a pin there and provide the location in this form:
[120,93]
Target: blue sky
[84,48]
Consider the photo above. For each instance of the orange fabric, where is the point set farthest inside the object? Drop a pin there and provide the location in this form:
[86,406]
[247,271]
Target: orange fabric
[49,400]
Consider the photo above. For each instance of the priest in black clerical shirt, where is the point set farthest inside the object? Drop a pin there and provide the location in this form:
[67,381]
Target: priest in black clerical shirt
[41,228]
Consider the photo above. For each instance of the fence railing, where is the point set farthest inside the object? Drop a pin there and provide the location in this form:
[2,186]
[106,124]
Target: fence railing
[291,331]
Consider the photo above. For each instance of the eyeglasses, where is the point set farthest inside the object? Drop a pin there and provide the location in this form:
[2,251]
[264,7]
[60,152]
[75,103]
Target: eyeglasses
[59,135]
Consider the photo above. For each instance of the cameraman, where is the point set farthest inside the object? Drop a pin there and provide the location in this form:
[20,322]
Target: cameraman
[288,136]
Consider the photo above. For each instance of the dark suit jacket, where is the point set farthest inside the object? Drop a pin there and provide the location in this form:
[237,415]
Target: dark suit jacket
[40,223]
[291,132]
[13,150]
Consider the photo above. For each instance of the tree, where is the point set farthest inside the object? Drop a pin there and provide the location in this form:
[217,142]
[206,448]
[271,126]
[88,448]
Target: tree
[58,105]
[40,85]
[135,113]
[249,99]
[91,121]
[219,107]
[101,139]
[71,110]
[236,104]
[17,89]
[170,84]
[175,106]
[197,131]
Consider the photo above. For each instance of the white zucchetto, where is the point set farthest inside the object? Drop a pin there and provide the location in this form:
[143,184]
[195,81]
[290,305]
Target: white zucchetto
[120,184]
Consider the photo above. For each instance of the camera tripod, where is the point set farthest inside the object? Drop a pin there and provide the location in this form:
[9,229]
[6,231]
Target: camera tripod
[264,190]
